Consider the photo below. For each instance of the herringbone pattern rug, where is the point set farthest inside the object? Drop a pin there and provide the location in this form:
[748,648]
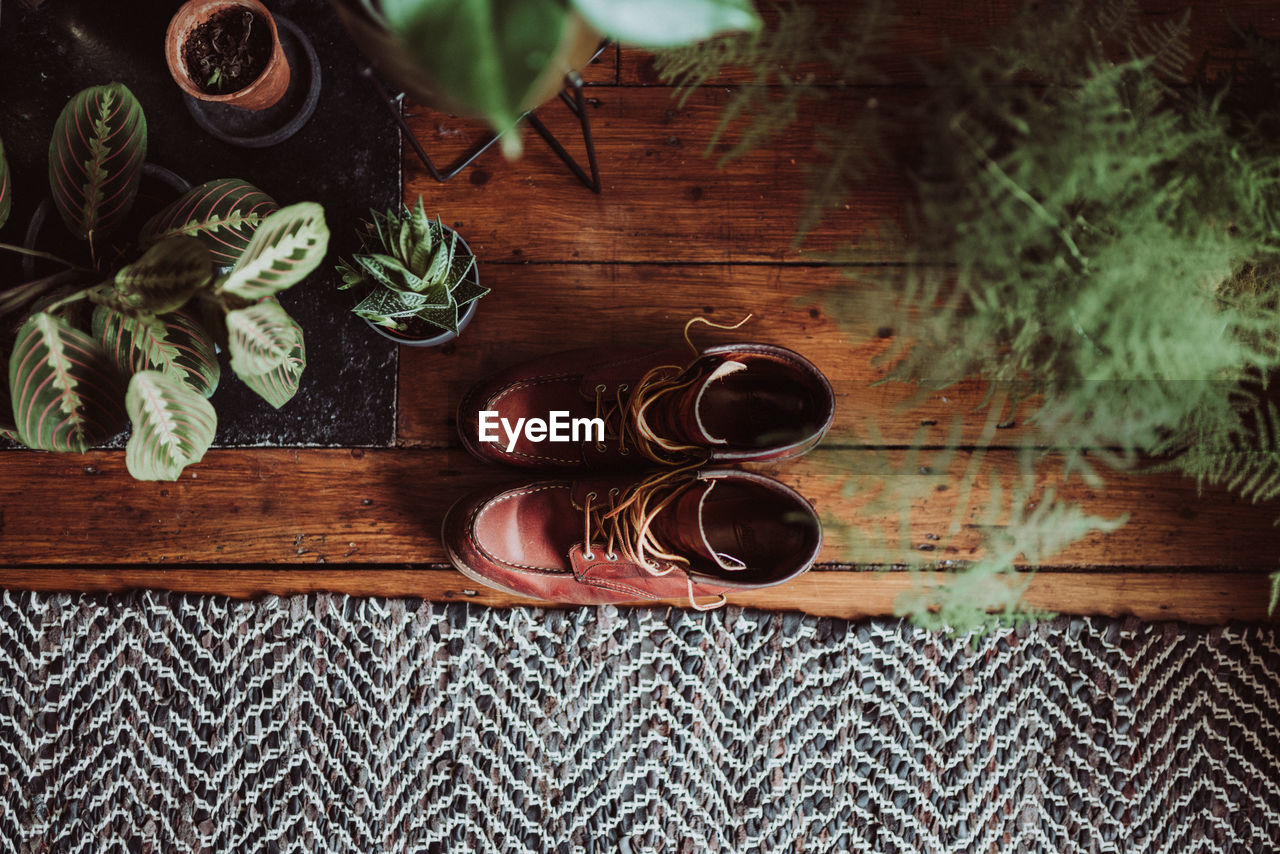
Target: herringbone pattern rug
[171,723]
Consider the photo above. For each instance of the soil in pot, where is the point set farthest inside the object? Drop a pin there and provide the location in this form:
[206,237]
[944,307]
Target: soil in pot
[228,52]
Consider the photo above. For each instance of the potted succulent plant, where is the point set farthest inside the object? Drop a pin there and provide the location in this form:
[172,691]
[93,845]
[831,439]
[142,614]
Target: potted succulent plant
[228,52]
[103,341]
[498,59]
[418,278]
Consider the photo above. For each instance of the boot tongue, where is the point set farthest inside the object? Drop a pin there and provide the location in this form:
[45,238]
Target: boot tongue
[678,416]
[680,527]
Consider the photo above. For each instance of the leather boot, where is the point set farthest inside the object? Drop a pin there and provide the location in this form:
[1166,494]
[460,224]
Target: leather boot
[675,534]
[733,403]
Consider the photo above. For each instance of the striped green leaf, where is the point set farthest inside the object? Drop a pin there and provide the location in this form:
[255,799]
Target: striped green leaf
[284,249]
[95,158]
[162,280]
[172,426]
[385,304]
[221,214]
[267,351]
[260,337]
[6,188]
[66,392]
[176,344]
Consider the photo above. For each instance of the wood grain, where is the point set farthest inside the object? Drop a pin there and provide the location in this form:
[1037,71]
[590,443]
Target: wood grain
[663,201]
[1154,595]
[671,237]
[921,31]
[310,507]
[536,309]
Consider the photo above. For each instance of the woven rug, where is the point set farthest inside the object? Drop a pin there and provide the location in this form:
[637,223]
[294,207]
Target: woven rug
[166,723]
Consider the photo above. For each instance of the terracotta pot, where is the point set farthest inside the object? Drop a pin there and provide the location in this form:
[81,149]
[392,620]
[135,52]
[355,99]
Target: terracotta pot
[263,92]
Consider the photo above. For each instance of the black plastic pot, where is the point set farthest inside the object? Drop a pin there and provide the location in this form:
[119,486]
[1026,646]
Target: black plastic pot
[160,186]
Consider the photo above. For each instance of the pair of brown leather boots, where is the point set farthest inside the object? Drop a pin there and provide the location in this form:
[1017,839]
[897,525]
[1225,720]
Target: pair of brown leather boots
[634,502]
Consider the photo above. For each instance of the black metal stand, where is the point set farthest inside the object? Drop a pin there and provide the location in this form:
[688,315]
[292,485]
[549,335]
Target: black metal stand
[571,95]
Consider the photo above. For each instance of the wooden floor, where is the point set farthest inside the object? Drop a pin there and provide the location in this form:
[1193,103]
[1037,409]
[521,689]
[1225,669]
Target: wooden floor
[671,237]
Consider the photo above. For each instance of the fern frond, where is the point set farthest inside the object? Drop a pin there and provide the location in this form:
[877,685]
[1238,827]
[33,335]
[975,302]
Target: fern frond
[1167,44]
[1245,460]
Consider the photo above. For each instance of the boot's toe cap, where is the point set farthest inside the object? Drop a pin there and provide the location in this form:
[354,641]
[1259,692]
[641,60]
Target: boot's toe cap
[516,539]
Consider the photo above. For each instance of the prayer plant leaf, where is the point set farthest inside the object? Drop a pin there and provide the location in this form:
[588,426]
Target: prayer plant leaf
[67,394]
[173,426]
[667,23]
[278,385]
[176,344]
[260,337]
[222,214]
[286,247]
[6,188]
[95,159]
[162,280]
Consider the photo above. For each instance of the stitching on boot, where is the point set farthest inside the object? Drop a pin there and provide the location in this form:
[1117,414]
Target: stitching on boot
[617,587]
[475,517]
[540,380]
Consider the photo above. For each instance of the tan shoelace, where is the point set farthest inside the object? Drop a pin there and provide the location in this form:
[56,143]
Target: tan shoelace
[625,417]
[626,527]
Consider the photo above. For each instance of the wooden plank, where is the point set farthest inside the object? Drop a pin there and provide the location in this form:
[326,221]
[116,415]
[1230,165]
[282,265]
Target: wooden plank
[297,507]
[537,309]
[921,31]
[662,201]
[1196,598]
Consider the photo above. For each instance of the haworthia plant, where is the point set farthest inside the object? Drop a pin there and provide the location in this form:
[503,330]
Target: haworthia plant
[6,188]
[172,426]
[422,270]
[95,159]
[67,395]
[222,214]
[176,344]
[284,249]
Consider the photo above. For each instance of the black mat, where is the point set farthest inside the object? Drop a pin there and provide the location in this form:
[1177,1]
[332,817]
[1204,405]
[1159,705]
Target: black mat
[347,158]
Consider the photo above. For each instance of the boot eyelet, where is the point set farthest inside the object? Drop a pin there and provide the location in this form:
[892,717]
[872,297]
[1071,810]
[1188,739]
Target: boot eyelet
[610,556]
[626,452]
[589,555]
[591,496]
[613,492]
[623,387]
[602,387]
